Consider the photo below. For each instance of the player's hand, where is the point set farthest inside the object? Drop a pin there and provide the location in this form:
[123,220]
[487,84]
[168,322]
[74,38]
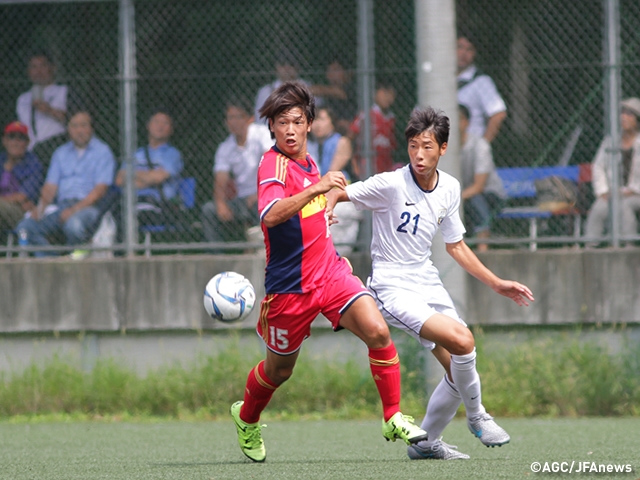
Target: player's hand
[331,217]
[330,180]
[515,291]
[331,197]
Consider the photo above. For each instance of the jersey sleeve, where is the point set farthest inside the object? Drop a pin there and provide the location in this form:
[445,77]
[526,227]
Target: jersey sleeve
[374,193]
[452,227]
[272,174]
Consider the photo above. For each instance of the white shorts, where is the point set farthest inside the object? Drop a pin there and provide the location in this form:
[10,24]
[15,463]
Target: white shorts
[406,303]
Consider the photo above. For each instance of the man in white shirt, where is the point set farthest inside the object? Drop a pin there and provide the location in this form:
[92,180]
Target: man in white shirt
[234,205]
[43,108]
[478,92]
[409,205]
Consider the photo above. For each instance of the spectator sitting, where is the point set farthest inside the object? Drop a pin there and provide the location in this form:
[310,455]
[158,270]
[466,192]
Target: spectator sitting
[482,190]
[630,175]
[333,151]
[157,174]
[43,108]
[21,176]
[79,176]
[478,92]
[236,160]
[384,136]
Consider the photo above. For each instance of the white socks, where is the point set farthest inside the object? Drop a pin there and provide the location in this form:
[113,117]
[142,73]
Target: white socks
[467,381]
[442,407]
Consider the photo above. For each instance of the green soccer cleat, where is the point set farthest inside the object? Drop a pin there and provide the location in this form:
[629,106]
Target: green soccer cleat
[249,437]
[402,427]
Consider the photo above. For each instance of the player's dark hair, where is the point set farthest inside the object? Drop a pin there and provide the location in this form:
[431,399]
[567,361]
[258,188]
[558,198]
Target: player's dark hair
[428,119]
[287,96]
[464,110]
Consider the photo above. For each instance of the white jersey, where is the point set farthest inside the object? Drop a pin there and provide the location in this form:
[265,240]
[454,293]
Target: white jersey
[406,217]
[405,220]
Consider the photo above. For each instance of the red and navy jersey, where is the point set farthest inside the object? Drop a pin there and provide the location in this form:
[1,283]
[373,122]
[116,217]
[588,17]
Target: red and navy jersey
[300,251]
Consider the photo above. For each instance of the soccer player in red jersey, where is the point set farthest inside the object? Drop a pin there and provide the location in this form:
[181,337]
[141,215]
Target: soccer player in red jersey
[305,275]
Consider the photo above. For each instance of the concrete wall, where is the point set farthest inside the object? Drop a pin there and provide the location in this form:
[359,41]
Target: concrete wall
[165,292]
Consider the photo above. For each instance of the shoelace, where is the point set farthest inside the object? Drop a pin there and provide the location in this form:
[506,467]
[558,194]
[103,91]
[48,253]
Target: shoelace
[438,444]
[253,434]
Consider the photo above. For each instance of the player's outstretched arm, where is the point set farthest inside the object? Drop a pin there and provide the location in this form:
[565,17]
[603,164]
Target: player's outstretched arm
[286,208]
[468,260]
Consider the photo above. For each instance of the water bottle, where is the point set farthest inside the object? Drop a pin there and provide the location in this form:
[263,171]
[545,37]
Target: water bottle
[23,241]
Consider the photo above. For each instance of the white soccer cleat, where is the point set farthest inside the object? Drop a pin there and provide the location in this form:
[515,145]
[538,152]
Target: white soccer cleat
[488,431]
[439,450]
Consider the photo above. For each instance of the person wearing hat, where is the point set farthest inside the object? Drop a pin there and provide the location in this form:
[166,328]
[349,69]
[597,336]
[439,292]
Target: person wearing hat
[21,176]
[629,175]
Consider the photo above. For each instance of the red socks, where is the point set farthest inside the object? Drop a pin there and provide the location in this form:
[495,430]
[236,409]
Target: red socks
[257,394]
[385,368]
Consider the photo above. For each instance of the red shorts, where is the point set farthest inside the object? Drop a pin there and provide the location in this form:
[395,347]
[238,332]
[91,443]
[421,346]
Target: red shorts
[285,318]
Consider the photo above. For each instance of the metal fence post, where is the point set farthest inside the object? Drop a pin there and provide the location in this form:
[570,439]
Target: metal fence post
[366,69]
[612,110]
[128,126]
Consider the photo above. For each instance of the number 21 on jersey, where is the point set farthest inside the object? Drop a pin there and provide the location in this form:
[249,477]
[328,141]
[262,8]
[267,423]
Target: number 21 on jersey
[409,224]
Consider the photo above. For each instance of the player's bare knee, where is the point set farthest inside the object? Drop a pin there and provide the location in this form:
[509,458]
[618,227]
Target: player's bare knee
[378,336]
[462,343]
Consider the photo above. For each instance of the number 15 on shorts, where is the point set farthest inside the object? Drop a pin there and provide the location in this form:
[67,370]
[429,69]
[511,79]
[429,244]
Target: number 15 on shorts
[278,338]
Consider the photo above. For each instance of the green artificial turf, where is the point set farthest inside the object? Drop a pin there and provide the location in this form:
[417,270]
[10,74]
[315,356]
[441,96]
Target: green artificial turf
[303,450]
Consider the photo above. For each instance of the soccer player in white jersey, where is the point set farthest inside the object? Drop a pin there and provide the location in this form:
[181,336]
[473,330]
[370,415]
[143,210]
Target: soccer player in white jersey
[409,205]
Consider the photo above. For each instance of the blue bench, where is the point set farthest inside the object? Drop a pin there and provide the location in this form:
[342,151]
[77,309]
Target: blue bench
[519,183]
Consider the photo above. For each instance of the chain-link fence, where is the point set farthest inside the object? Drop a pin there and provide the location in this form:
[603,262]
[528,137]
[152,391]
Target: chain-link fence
[204,64]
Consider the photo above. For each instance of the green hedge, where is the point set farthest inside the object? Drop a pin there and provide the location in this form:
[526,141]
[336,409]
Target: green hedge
[551,376]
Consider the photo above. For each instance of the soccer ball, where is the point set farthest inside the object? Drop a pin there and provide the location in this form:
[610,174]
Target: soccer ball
[229,297]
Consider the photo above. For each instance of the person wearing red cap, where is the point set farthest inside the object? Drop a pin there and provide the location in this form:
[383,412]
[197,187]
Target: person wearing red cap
[21,176]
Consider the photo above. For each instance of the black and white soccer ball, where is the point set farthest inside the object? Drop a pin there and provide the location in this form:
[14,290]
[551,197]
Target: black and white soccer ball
[229,297]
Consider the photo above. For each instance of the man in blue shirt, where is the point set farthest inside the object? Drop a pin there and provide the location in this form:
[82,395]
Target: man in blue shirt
[80,174]
[157,172]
